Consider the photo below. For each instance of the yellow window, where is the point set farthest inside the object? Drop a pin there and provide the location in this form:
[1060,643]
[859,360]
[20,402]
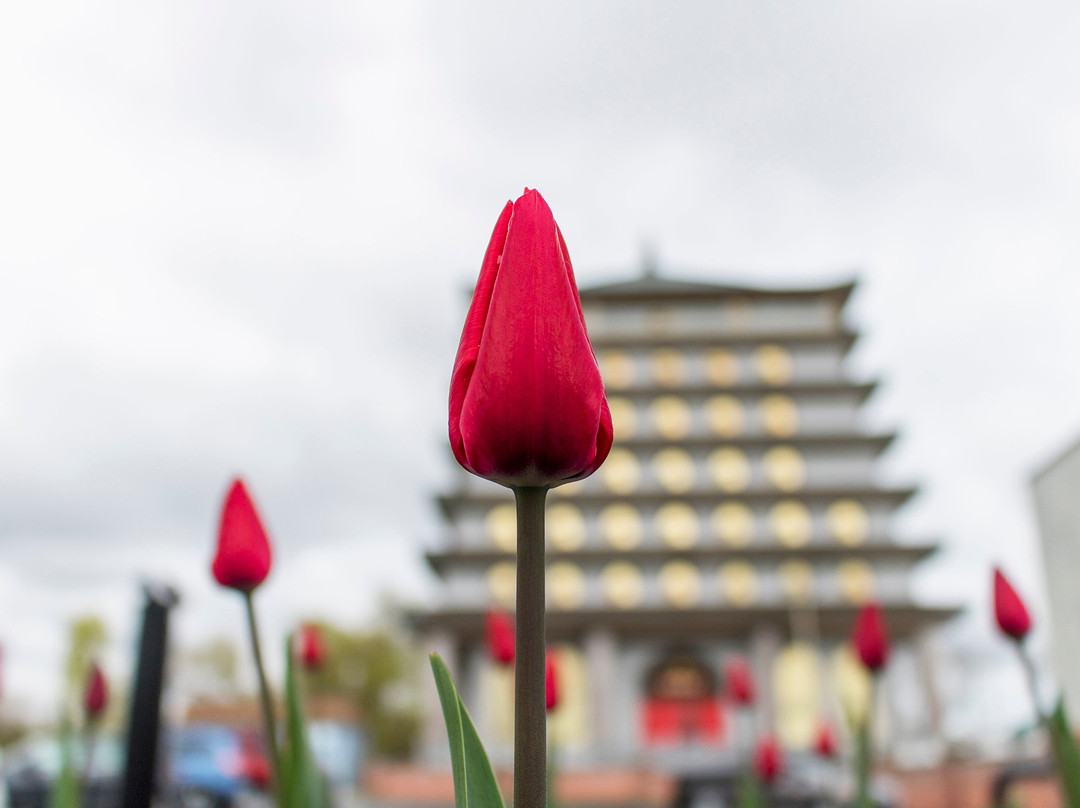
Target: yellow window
[621,472]
[773,364]
[621,525]
[790,523]
[678,525]
[565,526]
[623,584]
[724,415]
[680,583]
[785,468]
[671,417]
[674,469]
[501,527]
[730,469]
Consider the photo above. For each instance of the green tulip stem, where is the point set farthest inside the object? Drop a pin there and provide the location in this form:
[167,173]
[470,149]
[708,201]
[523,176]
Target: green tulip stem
[864,749]
[1032,680]
[530,709]
[270,724]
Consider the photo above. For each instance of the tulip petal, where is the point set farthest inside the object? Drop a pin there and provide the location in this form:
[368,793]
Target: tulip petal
[475,320]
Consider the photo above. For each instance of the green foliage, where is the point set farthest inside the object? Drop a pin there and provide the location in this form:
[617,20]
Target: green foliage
[750,793]
[1066,753]
[65,793]
[377,672]
[475,785]
[86,639]
[220,658]
[300,783]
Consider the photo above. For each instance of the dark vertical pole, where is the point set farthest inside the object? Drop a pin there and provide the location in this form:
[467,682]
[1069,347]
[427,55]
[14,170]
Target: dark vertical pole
[145,722]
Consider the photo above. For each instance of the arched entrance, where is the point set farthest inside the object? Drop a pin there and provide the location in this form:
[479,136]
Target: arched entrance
[681,703]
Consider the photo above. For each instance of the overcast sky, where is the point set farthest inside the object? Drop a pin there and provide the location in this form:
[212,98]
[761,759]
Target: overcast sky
[234,238]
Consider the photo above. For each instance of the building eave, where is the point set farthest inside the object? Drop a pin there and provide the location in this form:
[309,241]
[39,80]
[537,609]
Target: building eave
[903,621]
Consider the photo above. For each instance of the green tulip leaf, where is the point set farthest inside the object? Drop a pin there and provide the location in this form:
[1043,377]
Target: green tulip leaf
[300,784]
[1066,753]
[475,785]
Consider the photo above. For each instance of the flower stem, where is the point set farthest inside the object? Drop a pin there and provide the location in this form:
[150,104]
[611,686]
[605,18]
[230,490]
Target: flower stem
[1032,680]
[269,723]
[530,708]
[864,750]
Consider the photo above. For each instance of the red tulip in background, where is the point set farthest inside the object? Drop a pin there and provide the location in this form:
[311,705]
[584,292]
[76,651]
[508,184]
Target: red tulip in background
[310,647]
[1009,610]
[869,638]
[527,404]
[499,631]
[768,759]
[551,681]
[825,742]
[243,552]
[739,682]
[96,695]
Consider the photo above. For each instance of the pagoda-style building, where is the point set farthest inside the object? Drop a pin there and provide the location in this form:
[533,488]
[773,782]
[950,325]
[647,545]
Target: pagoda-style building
[737,515]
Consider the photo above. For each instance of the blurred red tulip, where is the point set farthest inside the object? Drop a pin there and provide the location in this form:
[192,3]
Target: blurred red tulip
[254,766]
[310,647]
[768,759]
[527,404]
[1009,610]
[551,680]
[825,741]
[499,630]
[739,682]
[243,553]
[96,694]
[869,638]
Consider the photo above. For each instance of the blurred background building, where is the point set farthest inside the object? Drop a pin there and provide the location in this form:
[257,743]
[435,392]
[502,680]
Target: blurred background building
[737,516]
[1056,488]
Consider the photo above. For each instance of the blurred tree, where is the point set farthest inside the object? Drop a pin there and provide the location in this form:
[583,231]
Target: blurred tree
[379,673]
[214,667]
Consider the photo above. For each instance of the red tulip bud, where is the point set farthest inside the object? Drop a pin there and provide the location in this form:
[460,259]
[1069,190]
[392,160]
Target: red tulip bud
[869,638]
[825,742]
[499,629]
[551,681]
[739,682]
[527,404]
[1009,610]
[768,759]
[310,648]
[243,552]
[96,695]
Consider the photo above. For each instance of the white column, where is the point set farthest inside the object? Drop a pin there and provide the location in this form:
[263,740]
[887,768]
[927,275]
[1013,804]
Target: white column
[435,746]
[600,661]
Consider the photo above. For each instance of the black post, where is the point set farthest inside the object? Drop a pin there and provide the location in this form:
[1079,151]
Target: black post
[144,724]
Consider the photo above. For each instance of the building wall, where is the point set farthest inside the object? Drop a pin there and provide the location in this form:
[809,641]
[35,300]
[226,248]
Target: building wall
[1057,507]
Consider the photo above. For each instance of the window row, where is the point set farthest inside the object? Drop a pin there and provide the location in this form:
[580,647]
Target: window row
[727,469]
[680,526]
[684,585]
[769,364]
[722,415]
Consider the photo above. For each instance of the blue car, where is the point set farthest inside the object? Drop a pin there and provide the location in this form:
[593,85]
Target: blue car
[214,766]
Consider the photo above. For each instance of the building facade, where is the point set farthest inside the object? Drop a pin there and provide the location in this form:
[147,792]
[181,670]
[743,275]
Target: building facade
[1057,509]
[736,516]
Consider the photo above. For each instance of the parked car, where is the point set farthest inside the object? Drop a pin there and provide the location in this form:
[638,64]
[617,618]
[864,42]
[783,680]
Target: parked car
[31,768]
[216,766]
